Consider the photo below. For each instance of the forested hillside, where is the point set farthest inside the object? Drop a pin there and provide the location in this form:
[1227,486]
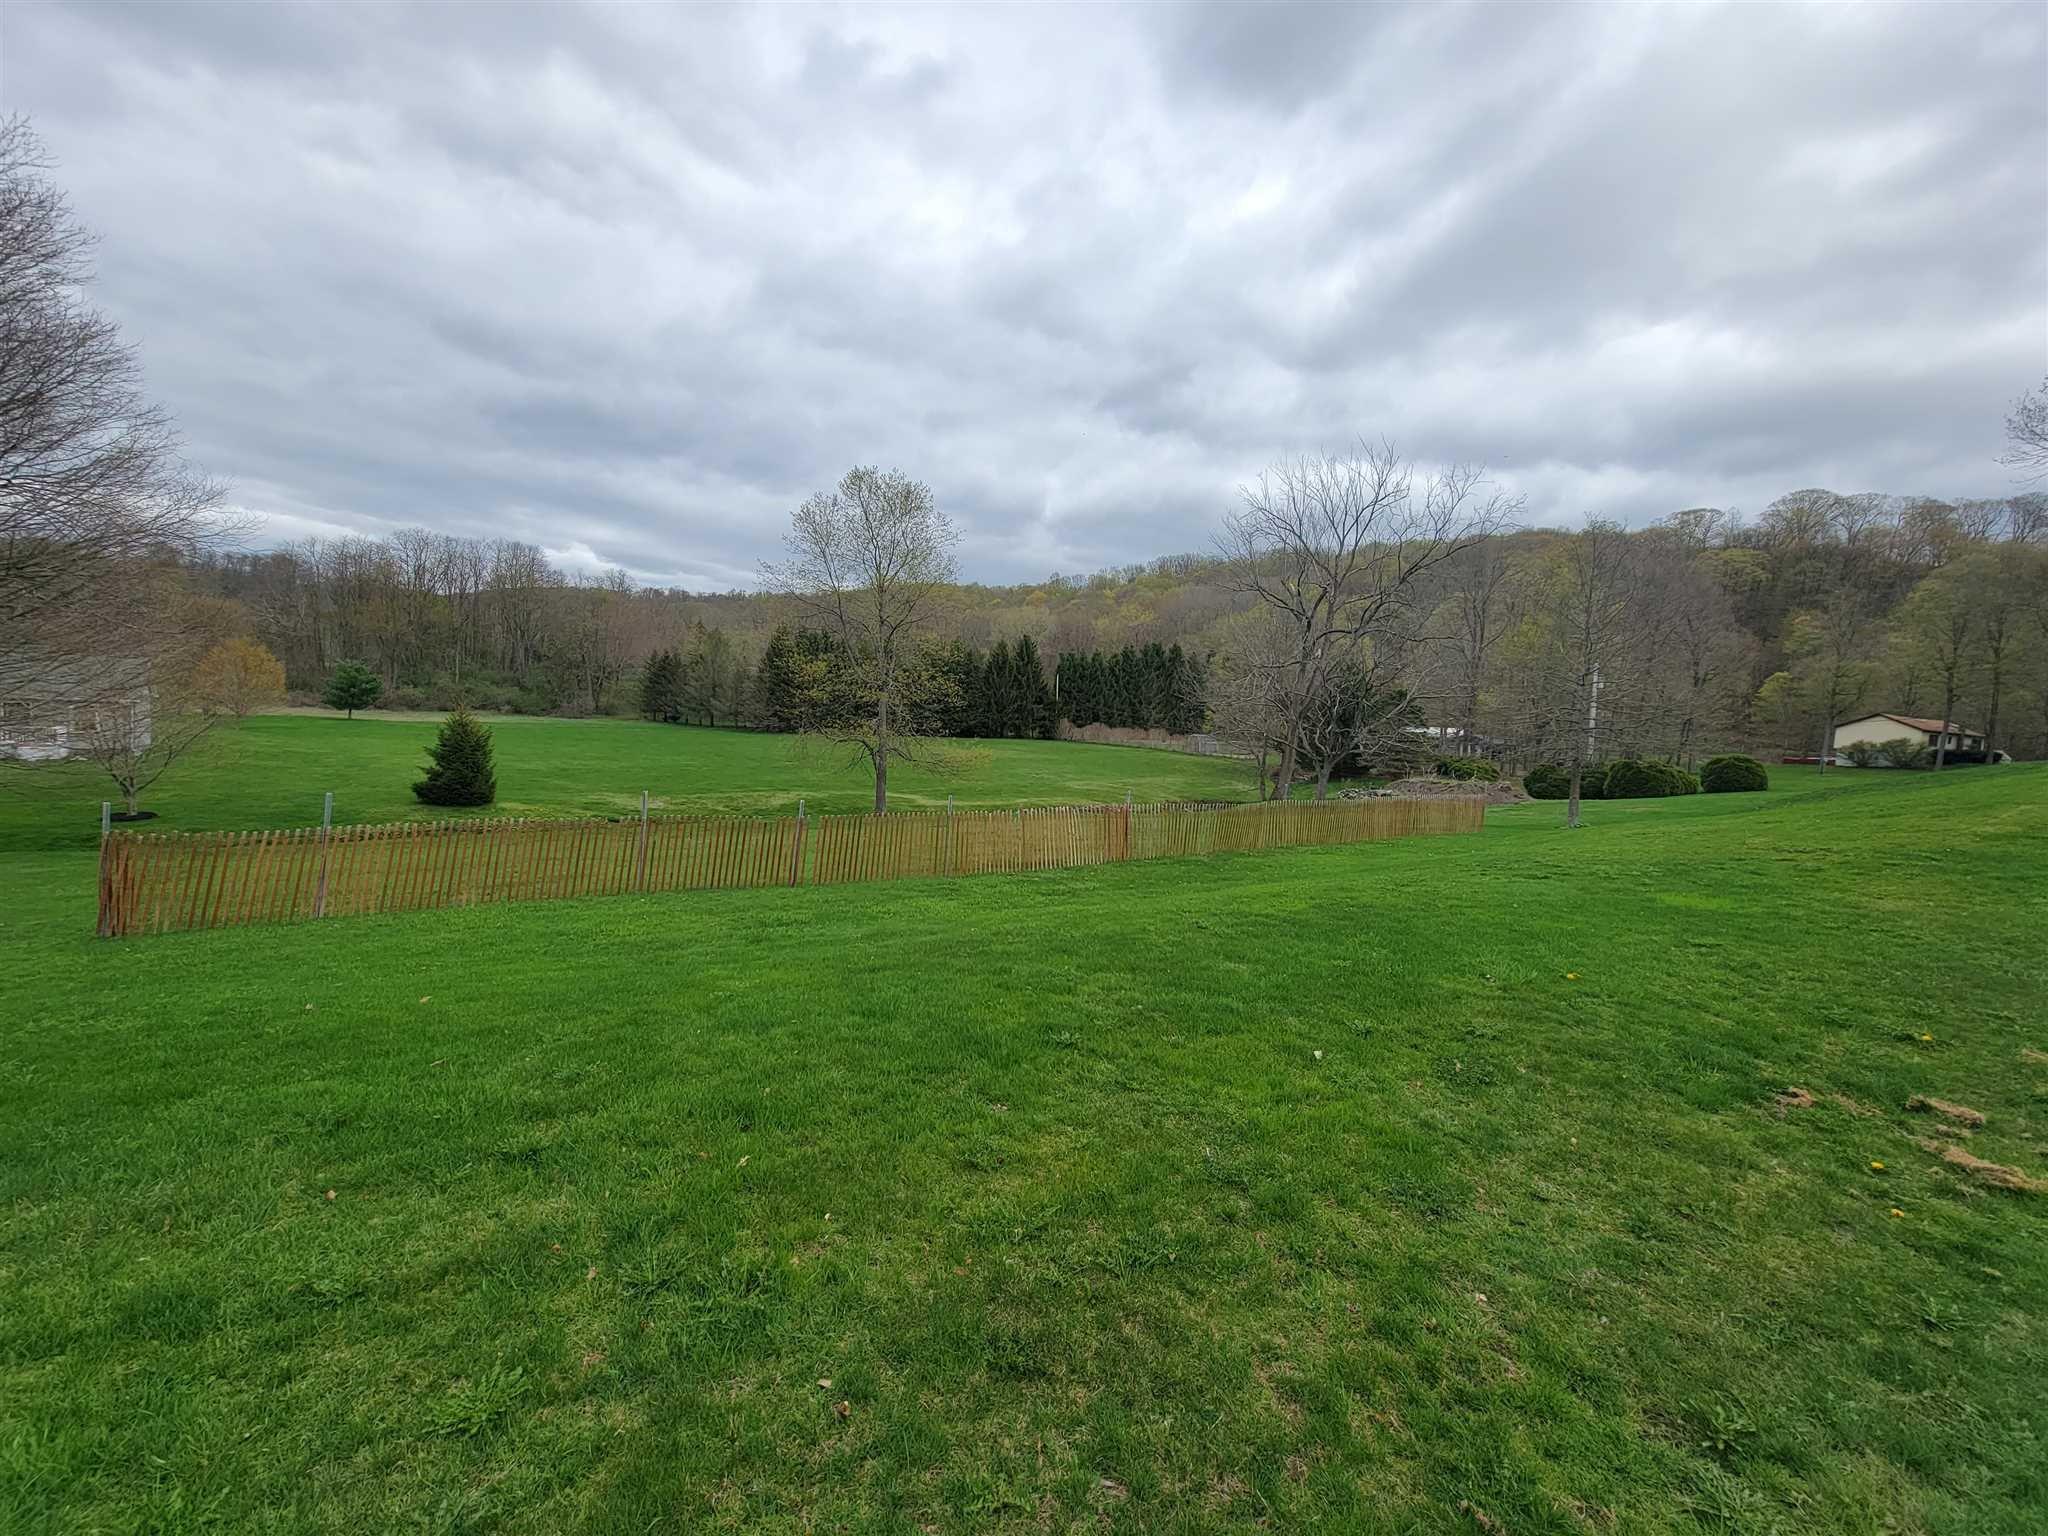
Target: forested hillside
[1733,631]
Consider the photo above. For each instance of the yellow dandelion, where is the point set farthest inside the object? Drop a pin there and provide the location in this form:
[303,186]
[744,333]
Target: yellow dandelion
[1927,1037]
[1571,975]
[1878,1166]
[1897,1212]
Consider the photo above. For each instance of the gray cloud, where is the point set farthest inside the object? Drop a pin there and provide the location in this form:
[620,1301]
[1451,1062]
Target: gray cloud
[630,282]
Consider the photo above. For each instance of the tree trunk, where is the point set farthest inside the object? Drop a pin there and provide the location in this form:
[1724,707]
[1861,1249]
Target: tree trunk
[129,798]
[1283,781]
[1323,780]
[1991,721]
[1948,705]
[1571,804]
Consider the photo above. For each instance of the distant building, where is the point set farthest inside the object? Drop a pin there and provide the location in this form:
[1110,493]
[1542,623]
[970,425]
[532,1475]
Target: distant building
[59,711]
[1872,729]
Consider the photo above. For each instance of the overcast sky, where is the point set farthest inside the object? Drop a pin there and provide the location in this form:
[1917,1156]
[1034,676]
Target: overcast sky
[631,282]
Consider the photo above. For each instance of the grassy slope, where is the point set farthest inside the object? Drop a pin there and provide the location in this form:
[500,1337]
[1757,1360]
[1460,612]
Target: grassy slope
[272,770]
[1041,1173]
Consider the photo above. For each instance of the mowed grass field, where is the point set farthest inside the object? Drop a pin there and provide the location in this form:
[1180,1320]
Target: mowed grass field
[1427,1186]
[271,771]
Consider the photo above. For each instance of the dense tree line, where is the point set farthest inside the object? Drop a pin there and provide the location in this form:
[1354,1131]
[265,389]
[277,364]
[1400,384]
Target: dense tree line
[803,676]
[1151,687]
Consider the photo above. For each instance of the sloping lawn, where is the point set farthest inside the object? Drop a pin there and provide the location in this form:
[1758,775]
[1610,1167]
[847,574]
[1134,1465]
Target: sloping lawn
[1438,1185]
[271,770]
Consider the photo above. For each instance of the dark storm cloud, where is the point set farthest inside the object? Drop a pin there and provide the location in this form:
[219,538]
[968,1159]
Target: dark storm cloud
[629,282]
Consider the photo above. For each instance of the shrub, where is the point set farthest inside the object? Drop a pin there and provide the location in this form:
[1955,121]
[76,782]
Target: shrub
[238,676]
[1903,752]
[460,772]
[1632,778]
[1860,754]
[353,687]
[1733,774]
[1546,781]
[1468,769]
[1593,781]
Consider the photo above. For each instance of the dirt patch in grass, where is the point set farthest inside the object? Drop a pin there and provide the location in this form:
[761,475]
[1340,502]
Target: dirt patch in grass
[1794,1098]
[2038,1058]
[1995,1174]
[1961,1114]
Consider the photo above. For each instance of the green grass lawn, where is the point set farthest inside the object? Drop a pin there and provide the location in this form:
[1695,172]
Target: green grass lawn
[271,770]
[1027,1203]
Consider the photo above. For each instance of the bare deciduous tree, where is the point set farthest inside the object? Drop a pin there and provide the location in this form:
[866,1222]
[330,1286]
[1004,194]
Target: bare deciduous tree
[1588,606]
[1334,545]
[871,562]
[2026,434]
[91,479]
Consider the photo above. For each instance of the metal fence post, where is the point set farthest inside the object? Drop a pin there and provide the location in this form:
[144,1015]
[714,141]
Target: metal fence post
[640,876]
[1127,824]
[796,857]
[326,825]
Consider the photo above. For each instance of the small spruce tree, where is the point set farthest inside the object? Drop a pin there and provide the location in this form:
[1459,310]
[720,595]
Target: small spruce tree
[460,772]
[353,687]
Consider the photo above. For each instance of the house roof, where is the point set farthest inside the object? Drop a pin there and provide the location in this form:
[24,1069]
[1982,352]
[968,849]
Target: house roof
[1917,723]
[80,679]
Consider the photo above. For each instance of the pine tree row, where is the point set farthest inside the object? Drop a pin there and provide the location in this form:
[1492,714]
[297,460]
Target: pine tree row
[802,683]
[1153,687]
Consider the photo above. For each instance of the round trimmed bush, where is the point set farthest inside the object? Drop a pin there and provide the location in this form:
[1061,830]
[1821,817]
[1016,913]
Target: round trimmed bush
[1468,769]
[1551,782]
[1733,774]
[1642,778]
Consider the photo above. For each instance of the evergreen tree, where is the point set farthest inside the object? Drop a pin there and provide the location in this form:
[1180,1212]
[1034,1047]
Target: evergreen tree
[1000,708]
[1124,691]
[775,680]
[1094,686]
[1035,714]
[958,667]
[661,687]
[1067,685]
[1155,688]
[794,685]
[460,772]
[352,687]
[1188,687]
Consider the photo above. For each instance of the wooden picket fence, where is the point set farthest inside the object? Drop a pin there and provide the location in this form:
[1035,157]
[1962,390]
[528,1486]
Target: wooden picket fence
[163,882]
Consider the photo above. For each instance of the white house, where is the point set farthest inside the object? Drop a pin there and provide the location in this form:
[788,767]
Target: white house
[57,710]
[1873,729]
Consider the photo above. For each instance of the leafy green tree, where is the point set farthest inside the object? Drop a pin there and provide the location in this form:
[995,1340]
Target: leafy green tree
[460,770]
[352,687]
